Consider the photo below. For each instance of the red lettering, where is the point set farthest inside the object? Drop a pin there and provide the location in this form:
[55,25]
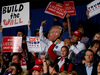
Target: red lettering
[11,22]
[37,45]
[37,39]
[16,22]
[95,7]
[6,22]
[32,39]
[20,20]
[34,45]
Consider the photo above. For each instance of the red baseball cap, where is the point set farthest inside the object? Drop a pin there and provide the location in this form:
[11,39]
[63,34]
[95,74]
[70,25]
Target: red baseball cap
[77,33]
[37,68]
[38,61]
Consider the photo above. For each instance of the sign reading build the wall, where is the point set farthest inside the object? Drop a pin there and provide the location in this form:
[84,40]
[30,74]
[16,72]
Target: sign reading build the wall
[15,15]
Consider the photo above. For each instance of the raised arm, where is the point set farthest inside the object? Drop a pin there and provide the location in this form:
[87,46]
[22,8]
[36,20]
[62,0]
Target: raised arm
[41,36]
[29,29]
[1,35]
[52,55]
[69,25]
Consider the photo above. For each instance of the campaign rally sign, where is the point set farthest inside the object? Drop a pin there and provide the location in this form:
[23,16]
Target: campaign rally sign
[69,6]
[11,44]
[56,9]
[94,8]
[15,15]
[33,44]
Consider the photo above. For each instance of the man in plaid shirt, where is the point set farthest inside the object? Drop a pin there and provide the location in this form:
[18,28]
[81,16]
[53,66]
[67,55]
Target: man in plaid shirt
[79,58]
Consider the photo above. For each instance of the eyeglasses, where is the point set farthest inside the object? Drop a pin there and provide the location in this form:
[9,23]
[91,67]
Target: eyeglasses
[89,55]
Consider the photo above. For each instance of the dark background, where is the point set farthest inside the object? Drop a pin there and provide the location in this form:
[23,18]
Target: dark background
[40,3]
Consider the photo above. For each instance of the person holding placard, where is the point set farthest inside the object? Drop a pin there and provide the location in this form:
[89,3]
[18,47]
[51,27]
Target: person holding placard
[91,28]
[20,33]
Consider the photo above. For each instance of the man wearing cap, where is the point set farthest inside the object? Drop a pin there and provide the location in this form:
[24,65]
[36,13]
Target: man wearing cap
[75,46]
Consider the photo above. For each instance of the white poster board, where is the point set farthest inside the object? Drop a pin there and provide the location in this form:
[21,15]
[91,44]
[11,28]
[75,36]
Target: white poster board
[15,15]
[94,8]
[33,44]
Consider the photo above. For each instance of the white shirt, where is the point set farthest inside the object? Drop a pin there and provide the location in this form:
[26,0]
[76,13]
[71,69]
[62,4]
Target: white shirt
[73,50]
[48,43]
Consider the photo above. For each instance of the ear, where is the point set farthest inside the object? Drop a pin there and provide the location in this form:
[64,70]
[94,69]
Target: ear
[79,39]
[23,35]
[48,35]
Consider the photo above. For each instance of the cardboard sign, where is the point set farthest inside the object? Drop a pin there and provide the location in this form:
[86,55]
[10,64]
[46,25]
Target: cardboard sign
[56,9]
[11,44]
[94,8]
[15,15]
[69,6]
[33,44]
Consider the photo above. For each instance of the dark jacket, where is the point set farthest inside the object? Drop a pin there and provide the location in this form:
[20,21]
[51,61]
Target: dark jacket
[66,64]
[81,69]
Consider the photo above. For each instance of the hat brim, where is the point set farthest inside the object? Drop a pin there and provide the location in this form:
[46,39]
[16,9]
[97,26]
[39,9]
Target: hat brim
[76,35]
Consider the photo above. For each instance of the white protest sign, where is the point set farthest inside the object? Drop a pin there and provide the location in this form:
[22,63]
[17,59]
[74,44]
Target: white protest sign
[94,8]
[33,44]
[15,15]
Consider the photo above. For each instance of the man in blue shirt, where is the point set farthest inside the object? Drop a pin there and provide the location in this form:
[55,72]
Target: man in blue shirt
[89,68]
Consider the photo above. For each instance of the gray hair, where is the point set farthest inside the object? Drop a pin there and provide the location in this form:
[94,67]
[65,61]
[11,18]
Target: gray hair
[56,26]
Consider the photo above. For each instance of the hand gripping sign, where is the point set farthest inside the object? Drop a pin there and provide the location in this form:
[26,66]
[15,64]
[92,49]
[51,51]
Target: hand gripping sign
[15,15]
[56,9]
[94,8]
